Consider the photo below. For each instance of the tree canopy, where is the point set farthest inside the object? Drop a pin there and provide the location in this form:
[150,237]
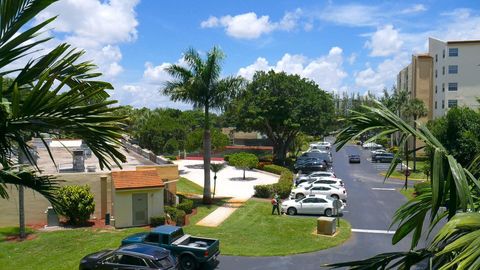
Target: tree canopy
[280,106]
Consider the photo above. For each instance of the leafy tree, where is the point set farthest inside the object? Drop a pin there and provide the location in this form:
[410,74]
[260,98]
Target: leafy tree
[215,168]
[456,245]
[53,93]
[281,106]
[199,84]
[416,109]
[243,161]
[459,132]
[195,140]
[77,203]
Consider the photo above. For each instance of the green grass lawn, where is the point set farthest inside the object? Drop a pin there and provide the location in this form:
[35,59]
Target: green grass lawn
[409,193]
[414,175]
[253,231]
[186,186]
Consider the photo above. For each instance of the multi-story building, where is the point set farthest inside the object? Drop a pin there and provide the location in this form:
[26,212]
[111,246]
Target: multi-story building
[447,76]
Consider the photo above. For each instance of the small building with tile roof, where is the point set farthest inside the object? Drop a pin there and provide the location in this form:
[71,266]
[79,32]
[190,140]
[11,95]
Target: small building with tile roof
[137,196]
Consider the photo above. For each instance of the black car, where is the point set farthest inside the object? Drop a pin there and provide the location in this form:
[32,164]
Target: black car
[325,156]
[354,158]
[130,257]
[308,165]
[383,157]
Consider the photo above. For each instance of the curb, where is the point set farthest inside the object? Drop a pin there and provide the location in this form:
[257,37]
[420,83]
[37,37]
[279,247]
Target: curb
[398,178]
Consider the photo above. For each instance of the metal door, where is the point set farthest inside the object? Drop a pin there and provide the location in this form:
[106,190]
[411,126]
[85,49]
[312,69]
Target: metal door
[140,208]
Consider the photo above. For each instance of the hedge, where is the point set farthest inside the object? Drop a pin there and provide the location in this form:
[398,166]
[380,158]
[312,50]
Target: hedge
[421,187]
[76,203]
[157,221]
[275,169]
[282,188]
[186,205]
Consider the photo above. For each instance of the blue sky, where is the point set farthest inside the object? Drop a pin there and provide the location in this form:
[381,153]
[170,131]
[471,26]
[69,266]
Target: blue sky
[341,45]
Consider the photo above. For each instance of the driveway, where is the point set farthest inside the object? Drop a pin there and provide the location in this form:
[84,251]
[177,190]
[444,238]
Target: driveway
[371,205]
[229,180]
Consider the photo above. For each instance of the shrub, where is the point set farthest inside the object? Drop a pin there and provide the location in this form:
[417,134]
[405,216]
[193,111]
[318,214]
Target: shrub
[266,158]
[157,221]
[421,187]
[180,219]
[393,149]
[171,212]
[76,203]
[226,158]
[275,169]
[263,191]
[186,205]
[243,161]
[171,157]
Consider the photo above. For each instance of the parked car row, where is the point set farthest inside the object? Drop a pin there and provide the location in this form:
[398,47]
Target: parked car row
[164,247]
[317,188]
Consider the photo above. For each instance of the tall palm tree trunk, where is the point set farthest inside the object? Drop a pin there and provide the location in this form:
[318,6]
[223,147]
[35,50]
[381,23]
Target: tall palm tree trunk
[207,199]
[414,145]
[21,212]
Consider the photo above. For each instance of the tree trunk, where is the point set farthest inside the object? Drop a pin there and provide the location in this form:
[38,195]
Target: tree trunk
[21,210]
[207,199]
[280,153]
[214,185]
[244,174]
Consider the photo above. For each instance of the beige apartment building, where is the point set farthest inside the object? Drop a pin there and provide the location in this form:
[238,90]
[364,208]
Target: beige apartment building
[447,76]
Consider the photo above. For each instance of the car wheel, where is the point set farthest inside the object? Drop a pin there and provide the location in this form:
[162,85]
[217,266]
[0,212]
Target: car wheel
[335,196]
[299,196]
[291,211]
[187,262]
[328,212]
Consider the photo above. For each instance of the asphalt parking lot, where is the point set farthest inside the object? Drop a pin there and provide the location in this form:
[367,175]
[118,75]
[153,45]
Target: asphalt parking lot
[371,205]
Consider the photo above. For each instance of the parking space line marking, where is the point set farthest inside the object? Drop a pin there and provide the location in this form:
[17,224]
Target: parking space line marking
[383,188]
[373,231]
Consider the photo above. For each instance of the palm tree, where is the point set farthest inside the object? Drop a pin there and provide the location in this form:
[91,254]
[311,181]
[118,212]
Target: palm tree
[215,168]
[415,108]
[31,103]
[457,244]
[200,84]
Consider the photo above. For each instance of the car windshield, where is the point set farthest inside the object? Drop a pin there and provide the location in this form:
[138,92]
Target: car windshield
[297,200]
[164,263]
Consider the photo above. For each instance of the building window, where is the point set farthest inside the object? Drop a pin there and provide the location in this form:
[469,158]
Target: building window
[443,70]
[452,103]
[443,87]
[436,88]
[452,52]
[435,73]
[452,69]
[443,104]
[436,57]
[435,104]
[443,53]
[452,86]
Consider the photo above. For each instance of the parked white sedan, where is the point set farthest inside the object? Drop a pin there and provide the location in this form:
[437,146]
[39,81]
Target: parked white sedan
[313,204]
[313,176]
[323,180]
[332,191]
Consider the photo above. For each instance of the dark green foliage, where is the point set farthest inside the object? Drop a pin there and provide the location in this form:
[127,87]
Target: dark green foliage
[226,158]
[282,188]
[171,157]
[281,106]
[180,217]
[263,191]
[459,132]
[186,205]
[195,140]
[157,221]
[171,146]
[76,203]
[274,169]
[265,158]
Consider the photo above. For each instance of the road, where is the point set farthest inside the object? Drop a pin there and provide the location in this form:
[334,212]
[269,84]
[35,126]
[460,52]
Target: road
[371,205]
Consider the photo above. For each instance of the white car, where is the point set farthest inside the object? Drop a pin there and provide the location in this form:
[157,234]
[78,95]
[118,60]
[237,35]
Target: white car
[371,145]
[313,204]
[379,151]
[336,192]
[312,176]
[323,180]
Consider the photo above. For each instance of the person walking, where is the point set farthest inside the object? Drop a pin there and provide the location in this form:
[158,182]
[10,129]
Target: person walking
[276,204]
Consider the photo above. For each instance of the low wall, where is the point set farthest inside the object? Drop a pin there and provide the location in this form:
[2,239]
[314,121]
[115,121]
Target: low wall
[145,153]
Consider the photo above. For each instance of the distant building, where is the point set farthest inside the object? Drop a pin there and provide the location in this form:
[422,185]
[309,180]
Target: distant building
[246,138]
[447,76]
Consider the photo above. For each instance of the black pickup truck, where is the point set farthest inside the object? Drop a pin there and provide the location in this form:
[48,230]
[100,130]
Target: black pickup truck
[191,251]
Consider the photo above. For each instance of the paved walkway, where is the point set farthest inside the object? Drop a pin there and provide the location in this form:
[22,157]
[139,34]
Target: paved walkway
[222,213]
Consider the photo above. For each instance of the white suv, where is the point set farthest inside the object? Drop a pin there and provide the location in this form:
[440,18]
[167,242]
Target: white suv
[321,189]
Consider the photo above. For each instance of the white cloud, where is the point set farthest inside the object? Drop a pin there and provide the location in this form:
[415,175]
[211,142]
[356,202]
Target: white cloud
[461,25]
[352,58]
[145,95]
[350,15]
[327,71]
[156,74]
[96,26]
[251,26]
[385,41]
[414,9]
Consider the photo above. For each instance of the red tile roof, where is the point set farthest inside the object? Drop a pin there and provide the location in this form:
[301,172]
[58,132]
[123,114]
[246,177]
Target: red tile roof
[136,179]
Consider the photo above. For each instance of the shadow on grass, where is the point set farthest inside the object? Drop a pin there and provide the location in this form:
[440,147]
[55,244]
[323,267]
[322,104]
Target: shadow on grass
[13,233]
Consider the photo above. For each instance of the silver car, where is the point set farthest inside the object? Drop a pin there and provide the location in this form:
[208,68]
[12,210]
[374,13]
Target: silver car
[323,180]
[313,176]
[313,204]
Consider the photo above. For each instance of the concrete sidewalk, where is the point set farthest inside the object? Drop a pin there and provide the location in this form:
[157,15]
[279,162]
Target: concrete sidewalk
[222,213]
